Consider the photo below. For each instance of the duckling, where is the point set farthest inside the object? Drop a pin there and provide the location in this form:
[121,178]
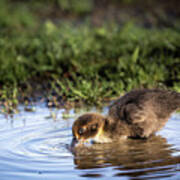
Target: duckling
[137,114]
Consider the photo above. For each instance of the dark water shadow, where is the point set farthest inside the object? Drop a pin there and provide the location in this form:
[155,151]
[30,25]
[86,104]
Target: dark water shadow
[135,159]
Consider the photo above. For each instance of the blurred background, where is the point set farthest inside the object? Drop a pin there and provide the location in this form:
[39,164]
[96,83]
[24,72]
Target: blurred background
[87,50]
[161,13]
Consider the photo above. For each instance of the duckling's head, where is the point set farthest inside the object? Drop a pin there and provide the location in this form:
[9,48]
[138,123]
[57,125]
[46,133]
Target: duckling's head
[88,128]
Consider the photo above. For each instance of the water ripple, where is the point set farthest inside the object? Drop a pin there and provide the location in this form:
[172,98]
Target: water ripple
[34,147]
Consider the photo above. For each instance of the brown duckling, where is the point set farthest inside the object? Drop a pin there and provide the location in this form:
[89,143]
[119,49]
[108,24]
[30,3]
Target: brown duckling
[138,114]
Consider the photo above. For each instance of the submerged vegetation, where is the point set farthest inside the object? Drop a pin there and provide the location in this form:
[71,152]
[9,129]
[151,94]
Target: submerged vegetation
[68,61]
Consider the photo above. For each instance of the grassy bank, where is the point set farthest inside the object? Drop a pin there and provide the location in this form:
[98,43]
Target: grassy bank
[73,62]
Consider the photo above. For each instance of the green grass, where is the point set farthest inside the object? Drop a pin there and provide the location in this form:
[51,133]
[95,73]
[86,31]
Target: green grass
[81,62]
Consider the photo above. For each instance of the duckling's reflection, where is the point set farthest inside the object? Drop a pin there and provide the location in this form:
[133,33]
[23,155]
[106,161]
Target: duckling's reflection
[134,158]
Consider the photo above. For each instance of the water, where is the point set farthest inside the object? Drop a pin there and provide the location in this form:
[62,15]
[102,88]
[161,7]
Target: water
[35,145]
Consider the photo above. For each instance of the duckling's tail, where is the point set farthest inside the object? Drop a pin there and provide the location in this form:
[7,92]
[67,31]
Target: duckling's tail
[176,100]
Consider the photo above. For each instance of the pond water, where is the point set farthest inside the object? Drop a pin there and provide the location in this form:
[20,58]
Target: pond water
[35,145]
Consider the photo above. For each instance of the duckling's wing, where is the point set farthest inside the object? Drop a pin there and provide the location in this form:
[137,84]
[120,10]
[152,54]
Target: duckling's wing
[140,119]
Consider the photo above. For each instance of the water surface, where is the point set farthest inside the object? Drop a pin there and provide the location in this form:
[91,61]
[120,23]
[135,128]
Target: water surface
[35,145]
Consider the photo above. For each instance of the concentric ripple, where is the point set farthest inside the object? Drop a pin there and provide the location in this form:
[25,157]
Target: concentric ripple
[33,145]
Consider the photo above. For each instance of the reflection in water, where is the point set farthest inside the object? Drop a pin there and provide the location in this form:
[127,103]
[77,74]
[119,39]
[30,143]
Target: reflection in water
[33,145]
[135,158]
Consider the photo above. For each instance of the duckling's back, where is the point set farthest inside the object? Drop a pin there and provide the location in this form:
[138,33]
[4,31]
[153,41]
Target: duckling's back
[144,111]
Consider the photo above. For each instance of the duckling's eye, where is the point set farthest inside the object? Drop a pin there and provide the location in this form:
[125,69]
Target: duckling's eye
[94,127]
[81,131]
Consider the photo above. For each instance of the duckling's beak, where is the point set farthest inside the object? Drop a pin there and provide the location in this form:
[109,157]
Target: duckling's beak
[76,142]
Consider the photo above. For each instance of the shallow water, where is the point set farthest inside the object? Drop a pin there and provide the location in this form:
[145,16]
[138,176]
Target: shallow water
[34,145]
